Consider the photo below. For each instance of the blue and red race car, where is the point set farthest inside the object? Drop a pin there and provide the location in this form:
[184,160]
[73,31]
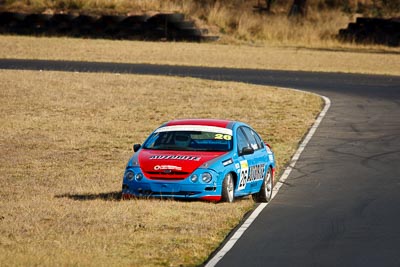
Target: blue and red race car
[213,160]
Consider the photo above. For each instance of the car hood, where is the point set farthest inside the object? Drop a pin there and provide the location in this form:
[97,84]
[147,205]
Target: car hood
[162,164]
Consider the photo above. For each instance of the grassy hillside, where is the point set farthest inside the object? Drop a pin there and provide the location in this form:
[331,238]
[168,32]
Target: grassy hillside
[234,20]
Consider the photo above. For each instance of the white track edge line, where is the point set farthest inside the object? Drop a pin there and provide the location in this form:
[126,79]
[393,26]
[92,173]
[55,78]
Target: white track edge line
[246,224]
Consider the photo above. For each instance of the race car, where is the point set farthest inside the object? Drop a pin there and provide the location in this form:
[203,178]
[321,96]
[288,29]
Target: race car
[205,159]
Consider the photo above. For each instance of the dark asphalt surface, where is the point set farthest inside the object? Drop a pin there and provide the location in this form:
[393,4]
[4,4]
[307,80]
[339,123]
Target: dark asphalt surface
[340,206]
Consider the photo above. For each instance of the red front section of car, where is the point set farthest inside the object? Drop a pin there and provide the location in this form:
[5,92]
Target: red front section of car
[211,198]
[172,165]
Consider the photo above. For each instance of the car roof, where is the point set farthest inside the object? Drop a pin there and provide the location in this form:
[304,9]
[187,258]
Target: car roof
[204,122]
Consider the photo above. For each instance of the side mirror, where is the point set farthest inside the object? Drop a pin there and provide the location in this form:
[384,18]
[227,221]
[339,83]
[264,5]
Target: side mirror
[136,147]
[246,151]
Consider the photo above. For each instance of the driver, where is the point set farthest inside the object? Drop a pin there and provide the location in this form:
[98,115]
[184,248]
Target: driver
[182,139]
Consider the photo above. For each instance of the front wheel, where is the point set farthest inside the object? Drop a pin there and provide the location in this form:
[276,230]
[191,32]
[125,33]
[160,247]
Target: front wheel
[265,193]
[227,189]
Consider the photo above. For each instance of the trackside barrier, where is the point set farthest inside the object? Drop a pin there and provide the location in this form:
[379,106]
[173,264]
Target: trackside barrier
[372,31]
[162,26]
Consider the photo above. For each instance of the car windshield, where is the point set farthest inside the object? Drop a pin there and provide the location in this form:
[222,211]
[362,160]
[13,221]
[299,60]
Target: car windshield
[189,140]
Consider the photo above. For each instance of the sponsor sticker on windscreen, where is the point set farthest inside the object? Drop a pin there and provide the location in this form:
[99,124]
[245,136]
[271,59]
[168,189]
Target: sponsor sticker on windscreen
[200,128]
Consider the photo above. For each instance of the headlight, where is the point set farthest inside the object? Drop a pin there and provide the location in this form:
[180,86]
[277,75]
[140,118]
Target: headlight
[129,175]
[194,178]
[206,177]
[139,176]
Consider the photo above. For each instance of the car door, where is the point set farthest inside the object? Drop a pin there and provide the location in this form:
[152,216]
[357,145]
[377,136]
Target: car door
[251,159]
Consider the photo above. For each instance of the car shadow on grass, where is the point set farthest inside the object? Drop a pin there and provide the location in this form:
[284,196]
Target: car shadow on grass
[117,196]
[109,196]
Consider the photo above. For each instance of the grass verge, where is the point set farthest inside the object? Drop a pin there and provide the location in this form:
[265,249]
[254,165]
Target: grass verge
[192,54]
[64,142]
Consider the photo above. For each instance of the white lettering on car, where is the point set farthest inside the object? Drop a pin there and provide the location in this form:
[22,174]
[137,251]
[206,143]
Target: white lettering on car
[167,167]
[227,162]
[250,174]
[175,157]
[256,173]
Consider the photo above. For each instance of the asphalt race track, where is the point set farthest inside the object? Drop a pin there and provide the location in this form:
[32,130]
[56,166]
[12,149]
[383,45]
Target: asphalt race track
[340,206]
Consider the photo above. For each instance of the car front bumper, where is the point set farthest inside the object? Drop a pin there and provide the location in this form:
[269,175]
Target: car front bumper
[169,189]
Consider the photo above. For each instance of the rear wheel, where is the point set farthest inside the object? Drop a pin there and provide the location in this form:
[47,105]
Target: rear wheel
[265,193]
[228,189]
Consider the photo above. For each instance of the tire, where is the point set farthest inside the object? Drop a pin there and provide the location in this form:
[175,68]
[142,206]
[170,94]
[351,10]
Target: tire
[228,187]
[265,193]
[132,21]
[60,24]
[107,26]
[15,24]
[186,24]
[82,26]
[131,28]
[6,18]
[353,27]
[35,24]
[163,18]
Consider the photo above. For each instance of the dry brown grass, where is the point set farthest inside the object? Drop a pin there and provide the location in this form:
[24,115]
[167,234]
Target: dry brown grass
[213,55]
[65,140]
[317,30]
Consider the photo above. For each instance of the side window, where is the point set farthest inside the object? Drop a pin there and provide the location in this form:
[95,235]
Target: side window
[258,140]
[241,139]
[254,139]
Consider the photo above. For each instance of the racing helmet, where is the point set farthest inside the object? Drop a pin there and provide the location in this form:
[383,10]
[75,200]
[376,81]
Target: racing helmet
[182,139]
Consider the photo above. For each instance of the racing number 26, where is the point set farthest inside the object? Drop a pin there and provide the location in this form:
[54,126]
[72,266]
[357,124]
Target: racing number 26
[223,137]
